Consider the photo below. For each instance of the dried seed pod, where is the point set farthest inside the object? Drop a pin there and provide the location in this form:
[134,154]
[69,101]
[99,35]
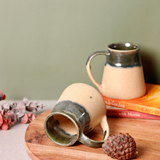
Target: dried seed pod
[31,117]
[21,107]
[4,122]
[6,107]
[29,114]
[1,119]
[25,100]
[24,119]
[12,116]
[31,106]
[5,126]
[19,115]
[120,146]
[2,96]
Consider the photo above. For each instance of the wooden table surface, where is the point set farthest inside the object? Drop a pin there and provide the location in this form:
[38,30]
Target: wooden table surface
[145,132]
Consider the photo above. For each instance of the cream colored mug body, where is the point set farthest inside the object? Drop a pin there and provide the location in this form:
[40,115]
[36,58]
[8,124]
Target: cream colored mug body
[123,76]
[79,109]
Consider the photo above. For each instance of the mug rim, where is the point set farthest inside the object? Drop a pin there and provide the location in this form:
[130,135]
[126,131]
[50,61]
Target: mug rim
[126,50]
[54,140]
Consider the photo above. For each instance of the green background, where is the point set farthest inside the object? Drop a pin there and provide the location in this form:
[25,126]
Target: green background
[44,44]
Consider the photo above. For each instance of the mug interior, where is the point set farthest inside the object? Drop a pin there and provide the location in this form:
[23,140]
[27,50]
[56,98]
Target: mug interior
[123,46]
[62,129]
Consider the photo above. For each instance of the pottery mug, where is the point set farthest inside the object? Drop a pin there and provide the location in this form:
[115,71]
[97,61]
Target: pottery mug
[79,109]
[123,76]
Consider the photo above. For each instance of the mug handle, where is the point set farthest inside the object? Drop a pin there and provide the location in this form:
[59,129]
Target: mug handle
[88,67]
[92,143]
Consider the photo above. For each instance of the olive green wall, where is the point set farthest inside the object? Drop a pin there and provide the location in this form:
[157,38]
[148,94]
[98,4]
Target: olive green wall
[44,44]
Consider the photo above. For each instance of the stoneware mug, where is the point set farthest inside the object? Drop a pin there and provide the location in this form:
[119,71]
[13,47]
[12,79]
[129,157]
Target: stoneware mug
[123,76]
[79,109]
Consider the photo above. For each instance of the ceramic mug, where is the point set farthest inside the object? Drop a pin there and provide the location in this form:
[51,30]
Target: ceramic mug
[79,109]
[123,76]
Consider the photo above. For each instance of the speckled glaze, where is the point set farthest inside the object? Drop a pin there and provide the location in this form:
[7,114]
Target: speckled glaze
[79,109]
[123,76]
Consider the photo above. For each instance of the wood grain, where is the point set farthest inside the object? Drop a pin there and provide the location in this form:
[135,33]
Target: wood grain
[145,132]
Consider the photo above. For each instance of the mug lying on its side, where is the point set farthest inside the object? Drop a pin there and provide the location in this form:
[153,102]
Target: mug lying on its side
[79,109]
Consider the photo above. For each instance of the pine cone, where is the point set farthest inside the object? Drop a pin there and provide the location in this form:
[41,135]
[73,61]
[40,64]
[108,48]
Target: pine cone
[120,146]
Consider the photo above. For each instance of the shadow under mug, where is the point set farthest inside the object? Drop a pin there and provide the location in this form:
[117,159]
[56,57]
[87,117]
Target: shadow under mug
[123,76]
[79,109]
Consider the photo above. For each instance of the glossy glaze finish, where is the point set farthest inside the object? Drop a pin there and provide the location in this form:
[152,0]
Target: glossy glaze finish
[79,109]
[64,124]
[124,55]
[123,76]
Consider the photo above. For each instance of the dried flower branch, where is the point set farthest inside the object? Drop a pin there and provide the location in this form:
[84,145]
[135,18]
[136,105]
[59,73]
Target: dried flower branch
[15,112]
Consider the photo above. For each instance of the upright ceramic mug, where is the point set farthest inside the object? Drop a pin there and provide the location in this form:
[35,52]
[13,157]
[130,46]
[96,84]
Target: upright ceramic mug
[123,76]
[79,109]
